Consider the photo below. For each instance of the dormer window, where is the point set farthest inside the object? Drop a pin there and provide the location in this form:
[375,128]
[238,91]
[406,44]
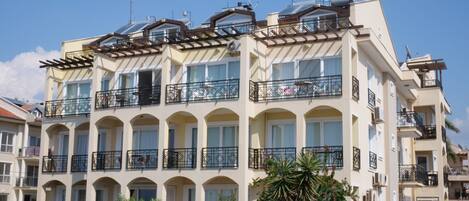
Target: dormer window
[111,41]
[234,24]
[320,20]
[164,33]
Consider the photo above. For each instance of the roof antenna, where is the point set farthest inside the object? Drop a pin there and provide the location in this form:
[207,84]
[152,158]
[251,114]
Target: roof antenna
[130,11]
[408,53]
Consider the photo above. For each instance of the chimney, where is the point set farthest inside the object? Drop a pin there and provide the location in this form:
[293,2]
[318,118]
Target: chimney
[272,19]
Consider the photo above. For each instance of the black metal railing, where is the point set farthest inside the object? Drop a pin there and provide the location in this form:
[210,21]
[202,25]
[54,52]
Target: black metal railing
[54,163]
[79,163]
[28,181]
[305,27]
[432,178]
[202,91]
[410,119]
[106,160]
[128,97]
[259,158]
[67,107]
[168,37]
[412,173]
[235,29]
[431,83]
[325,86]
[459,170]
[329,156]
[180,158]
[32,151]
[373,160]
[355,88]
[142,159]
[429,132]
[371,99]
[356,159]
[220,157]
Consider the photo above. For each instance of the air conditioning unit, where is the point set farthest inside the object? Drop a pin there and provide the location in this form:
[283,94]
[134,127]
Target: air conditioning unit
[233,47]
[379,180]
[378,115]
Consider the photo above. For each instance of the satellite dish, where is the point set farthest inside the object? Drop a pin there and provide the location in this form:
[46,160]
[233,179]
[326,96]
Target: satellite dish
[233,46]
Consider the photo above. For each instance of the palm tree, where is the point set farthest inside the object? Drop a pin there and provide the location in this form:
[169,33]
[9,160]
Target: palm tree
[449,150]
[451,126]
[301,180]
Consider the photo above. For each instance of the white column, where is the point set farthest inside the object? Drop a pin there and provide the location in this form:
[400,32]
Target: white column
[162,141]
[161,193]
[300,132]
[201,140]
[71,145]
[200,192]
[243,157]
[90,191]
[68,192]
[127,133]
[124,191]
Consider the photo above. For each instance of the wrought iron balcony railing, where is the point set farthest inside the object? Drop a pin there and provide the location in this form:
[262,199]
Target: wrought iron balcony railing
[409,119]
[431,83]
[235,29]
[412,173]
[304,27]
[106,160]
[429,132]
[373,160]
[79,163]
[355,88]
[459,171]
[329,156]
[142,159]
[180,158]
[356,159]
[432,178]
[32,151]
[259,158]
[202,91]
[325,86]
[67,107]
[128,97]
[371,99]
[27,182]
[220,157]
[54,163]
[169,37]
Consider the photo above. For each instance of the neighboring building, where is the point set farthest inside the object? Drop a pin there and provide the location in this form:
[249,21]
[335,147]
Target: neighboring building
[159,109]
[20,131]
[458,173]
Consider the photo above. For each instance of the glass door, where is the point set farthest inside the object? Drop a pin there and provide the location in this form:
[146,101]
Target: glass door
[145,87]
[283,135]
[280,73]
[223,141]
[195,81]
[81,144]
[63,144]
[126,82]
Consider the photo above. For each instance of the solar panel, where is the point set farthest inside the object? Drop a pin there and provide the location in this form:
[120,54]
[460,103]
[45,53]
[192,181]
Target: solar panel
[136,27]
[122,29]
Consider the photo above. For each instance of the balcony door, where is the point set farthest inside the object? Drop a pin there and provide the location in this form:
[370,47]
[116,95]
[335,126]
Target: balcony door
[81,147]
[125,97]
[63,144]
[324,133]
[222,136]
[281,134]
[76,91]
[145,138]
[145,79]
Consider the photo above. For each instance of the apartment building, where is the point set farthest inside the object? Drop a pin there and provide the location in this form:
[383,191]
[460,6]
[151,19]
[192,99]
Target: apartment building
[161,109]
[458,175]
[20,131]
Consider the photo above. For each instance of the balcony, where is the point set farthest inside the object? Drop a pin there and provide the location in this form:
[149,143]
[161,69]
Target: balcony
[373,160]
[315,87]
[355,88]
[459,173]
[54,164]
[371,99]
[67,107]
[356,159]
[429,132]
[27,182]
[29,152]
[202,91]
[430,83]
[181,158]
[142,159]
[259,158]
[235,29]
[412,176]
[128,97]
[106,160]
[409,124]
[330,156]
[79,163]
[220,157]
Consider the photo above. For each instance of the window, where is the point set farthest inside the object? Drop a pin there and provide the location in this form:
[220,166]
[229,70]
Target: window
[309,68]
[145,194]
[320,19]
[213,72]
[105,84]
[81,144]
[164,33]
[222,136]
[78,90]
[324,133]
[145,138]
[126,80]
[221,193]
[282,135]
[5,172]
[34,141]
[6,143]
[3,197]
[372,139]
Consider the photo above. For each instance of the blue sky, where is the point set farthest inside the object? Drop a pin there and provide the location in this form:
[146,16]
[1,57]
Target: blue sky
[426,26]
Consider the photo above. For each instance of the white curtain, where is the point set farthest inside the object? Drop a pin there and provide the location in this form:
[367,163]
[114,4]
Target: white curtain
[216,72]
[82,144]
[283,71]
[196,73]
[313,134]
[332,66]
[333,133]
[233,70]
[309,68]
[213,137]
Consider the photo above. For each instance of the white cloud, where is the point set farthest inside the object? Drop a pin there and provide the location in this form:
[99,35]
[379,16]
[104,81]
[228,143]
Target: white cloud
[21,77]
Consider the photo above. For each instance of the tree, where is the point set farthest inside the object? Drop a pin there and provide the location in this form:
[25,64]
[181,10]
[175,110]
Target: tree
[451,126]
[450,154]
[301,180]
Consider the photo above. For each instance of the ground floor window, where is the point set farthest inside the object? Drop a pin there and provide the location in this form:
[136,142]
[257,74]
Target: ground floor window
[145,194]
[220,193]
[3,197]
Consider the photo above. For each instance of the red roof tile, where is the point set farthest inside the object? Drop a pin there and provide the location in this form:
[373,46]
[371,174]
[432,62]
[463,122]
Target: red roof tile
[7,114]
